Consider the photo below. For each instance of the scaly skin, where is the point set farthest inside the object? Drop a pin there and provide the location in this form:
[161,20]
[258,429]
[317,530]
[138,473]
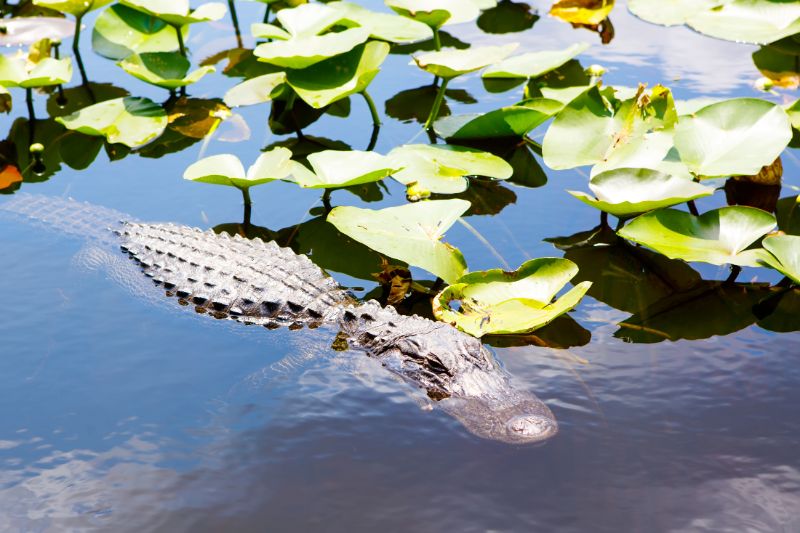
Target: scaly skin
[257,282]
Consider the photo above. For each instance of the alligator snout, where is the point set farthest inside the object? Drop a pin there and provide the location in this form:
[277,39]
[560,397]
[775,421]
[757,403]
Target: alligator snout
[531,428]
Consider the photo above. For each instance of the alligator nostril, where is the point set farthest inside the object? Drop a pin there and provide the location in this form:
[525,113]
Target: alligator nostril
[532,427]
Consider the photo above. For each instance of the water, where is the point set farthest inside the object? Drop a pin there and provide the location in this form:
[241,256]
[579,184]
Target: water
[120,413]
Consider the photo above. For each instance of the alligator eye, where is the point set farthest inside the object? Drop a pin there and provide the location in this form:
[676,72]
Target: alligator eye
[532,427]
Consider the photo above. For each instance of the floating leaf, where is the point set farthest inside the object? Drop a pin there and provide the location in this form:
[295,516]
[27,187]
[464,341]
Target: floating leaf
[718,237]
[533,64]
[670,12]
[451,63]
[496,301]
[595,129]
[28,30]
[337,168]
[507,122]
[256,90]
[227,169]
[17,71]
[131,121]
[73,7]
[383,26]
[630,191]
[436,13]
[588,12]
[733,137]
[783,254]
[302,52]
[338,77]
[443,168]
[120,31]
[508,17]
[749,21]
[177,12]
[410,233]
[164,69]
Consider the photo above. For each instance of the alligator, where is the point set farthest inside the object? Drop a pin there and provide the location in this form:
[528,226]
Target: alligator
[261,283]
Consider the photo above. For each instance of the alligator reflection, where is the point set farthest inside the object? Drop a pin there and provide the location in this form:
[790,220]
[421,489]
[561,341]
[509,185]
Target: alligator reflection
[667,299]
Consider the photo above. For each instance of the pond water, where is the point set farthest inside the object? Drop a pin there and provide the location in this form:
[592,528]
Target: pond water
[128,413]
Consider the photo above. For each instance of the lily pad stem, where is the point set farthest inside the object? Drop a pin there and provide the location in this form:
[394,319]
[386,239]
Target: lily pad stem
[735,271]
[76,41]
[326,201]
[604,219]
[248,205]
[235,20]
[31,115]
[181,45]
[693,208]
[373,140]
[376,119]
[267,13]
[437,42]
[437,104]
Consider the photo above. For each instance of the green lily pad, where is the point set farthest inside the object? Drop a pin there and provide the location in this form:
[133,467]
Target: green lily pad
[498,302]
[733,137]
[596,128]
[17,71]
[28,30]
[337,168]
[302,52]
[164,69]
[131,121]
[227,169]
[256,90]
[533,64]
[338,77]
[507,122]
[383,26]
[443,169]
[120,31]
[749,21]
[410,233]
[73,7]
[783,254]
[178,12]
[631,191]
[718,237]
[451,63]
[670,12]
[436,13]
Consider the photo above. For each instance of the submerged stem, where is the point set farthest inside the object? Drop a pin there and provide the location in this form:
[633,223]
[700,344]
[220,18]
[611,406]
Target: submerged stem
[693,208]
[735,271]
[235,20]
[326,201]
[181,45]
[31,115]
[373,140]
[376,119]
[437,104]
[267,13]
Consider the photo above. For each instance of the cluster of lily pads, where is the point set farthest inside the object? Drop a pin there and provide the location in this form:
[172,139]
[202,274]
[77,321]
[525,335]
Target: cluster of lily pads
[648,153]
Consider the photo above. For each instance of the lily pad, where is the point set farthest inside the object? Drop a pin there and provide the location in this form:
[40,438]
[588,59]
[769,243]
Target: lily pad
[596,128]
[497,302]
[131,121]
[533,64]
[783,254]
[749,21]
[436,13]
[443,169]
[719,237]
[670,12]
[631,191]
[120,31]
[17,71]
[451,63]
[177,12]
[28,30]
[383,26]
[337,168]
[302,52]
[256,90]
[73,7]
[227,169]
[733,137]
[410,233]
[164,69]
[506,122]
[338,77]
